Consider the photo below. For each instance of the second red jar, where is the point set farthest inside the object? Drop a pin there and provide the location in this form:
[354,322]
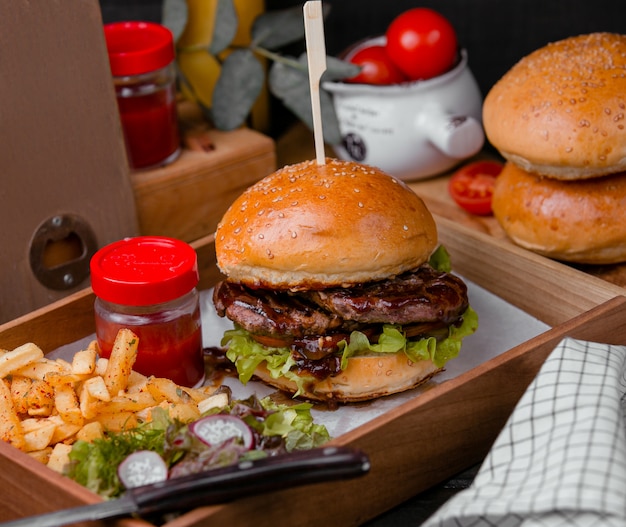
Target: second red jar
[141,55]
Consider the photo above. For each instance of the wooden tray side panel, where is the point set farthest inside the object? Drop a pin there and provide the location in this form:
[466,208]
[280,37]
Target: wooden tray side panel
[548,290]
[447,429]
[54,325]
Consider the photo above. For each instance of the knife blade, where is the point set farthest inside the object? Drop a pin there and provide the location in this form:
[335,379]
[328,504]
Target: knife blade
[216,486]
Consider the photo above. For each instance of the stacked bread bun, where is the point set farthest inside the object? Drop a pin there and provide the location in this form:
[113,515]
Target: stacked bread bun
[559,119]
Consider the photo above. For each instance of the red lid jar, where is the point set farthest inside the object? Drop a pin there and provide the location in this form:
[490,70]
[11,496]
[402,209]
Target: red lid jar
[141,55]
[148,285]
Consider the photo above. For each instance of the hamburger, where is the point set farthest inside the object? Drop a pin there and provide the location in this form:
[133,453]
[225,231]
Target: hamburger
[558,117]
[329,285]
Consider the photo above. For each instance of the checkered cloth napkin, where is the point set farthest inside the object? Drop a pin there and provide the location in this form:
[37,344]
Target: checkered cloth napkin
[561,458]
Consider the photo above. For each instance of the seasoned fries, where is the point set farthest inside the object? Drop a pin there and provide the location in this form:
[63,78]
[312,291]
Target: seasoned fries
[46,405]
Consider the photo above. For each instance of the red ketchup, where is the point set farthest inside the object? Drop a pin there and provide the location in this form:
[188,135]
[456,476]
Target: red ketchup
[141,55]
[148,285]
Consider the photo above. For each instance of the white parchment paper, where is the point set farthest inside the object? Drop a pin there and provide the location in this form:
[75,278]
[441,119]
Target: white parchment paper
[501,327]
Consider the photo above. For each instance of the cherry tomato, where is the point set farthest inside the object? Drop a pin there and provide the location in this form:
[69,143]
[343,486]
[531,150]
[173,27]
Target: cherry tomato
[376,66]
[422,43]
[471,186]
[272,342]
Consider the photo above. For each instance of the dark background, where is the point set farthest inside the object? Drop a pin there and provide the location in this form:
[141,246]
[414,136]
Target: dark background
[496,33]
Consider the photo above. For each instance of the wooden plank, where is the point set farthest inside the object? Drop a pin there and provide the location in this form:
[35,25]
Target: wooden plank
[64,169]
[549,290]
[412,447]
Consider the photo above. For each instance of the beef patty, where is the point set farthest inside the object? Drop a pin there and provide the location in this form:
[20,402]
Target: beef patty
[423,296]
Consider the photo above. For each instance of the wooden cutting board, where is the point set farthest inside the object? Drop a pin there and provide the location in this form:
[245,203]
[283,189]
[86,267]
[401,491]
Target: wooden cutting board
[65,185]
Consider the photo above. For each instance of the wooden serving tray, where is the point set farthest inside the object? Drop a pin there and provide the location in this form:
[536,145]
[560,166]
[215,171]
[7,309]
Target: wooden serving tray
[418,444]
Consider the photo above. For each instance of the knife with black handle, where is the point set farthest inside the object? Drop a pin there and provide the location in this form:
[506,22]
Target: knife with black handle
[216,486]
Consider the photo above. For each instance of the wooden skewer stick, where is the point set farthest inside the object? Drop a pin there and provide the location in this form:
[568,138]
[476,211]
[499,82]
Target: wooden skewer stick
[316,59]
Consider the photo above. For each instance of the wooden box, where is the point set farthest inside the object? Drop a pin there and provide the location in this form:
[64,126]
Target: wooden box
[187,198]
[65,189]
[422,442]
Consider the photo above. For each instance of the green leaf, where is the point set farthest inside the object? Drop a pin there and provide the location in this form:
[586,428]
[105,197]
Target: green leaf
[277,28]
[236,90]
[337,69]
[291,86]
[440,260]
[174,16]
[226,24]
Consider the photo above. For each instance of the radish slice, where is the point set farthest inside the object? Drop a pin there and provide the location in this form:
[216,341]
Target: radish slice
[215,429]
[142,468]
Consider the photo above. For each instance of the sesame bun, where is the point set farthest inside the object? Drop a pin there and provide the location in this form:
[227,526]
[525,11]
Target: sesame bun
[561,111]
[577,221]
[312,226]
[365,378]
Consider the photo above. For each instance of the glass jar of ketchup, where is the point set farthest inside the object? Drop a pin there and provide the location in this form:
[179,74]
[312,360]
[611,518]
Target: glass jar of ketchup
[141,55]
[148,285]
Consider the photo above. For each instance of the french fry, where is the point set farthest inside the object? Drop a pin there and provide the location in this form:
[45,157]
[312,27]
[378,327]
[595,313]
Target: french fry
[59,457]
[39,398]
[39,369]
[101,366]
[117,422]
[37,433]
[90,431]
[41,455]
[64,432]
[19,390]
[97,388]
[183,411]
[18,358]
[84,362]
[121,361]
[10,425]
[200,394]
[46,405]
[219,400]
[66,403]
[166,390]
[136,382]
[129,403]
[88,404]
[57,379]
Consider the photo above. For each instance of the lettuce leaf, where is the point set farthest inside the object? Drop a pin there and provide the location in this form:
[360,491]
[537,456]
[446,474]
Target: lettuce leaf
[247,354]
[94,465]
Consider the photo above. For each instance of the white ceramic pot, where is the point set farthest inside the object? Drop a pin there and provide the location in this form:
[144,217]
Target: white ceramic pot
[411,130]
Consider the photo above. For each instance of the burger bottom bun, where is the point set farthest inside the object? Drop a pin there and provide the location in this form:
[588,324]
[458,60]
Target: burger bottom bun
[575,221]
[365,378]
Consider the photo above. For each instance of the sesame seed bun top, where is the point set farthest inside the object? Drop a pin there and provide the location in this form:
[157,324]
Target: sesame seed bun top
[561,110]
[314,226]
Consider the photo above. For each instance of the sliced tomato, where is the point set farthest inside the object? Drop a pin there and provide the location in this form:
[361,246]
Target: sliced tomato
[272,342]
[471,186]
